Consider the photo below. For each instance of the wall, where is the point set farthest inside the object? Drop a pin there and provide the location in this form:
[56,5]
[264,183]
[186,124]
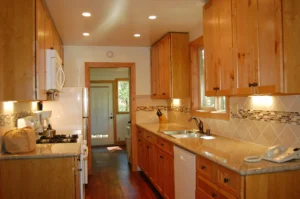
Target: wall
[266,121]
[76,56]
[10,112]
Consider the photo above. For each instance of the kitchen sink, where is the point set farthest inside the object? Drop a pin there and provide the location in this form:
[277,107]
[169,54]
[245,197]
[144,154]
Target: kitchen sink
[187,134]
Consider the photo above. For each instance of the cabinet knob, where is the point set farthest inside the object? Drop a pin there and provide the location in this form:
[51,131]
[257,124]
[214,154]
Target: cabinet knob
[226,180]
[147,147]
[161,157]
[154,94]
[254,84]
[163,93]
[162,144]
[250,84]
[203,167]
[213,195]
[217,88]
[139,140]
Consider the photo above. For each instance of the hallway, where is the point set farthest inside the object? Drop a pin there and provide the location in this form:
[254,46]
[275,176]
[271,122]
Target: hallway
[112,179]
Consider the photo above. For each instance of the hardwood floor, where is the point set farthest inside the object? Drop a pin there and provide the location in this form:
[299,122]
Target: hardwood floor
[112,179]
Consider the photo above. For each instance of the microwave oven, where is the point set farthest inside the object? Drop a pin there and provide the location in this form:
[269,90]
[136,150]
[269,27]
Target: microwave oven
[55,76]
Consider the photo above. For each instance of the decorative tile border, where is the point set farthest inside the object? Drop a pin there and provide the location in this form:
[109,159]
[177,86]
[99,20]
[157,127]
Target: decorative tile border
[163,108]
[11,119]
[269,116]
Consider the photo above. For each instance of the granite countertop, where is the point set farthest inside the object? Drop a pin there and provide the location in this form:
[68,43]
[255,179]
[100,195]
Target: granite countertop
[47,151]
[227,152]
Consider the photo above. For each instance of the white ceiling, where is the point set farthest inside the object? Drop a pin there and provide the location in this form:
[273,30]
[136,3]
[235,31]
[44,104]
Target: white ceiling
[113,22]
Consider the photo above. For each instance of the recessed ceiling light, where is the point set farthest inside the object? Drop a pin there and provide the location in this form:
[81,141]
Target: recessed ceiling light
[86,34]
[137,35]
[152,17]
[86,14]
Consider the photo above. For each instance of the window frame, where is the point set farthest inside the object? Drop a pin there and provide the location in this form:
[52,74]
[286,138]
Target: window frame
[196,109]
[117,80]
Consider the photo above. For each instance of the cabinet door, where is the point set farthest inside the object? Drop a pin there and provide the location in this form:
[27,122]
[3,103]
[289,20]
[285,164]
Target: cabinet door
[291,43]
[140,148]
[210,39]
[40,51]
[270,63]
[57,43]
[180,67]
[225,76]
[258,33]
[246,45]
[154,71]
[17,52]
[164,90]
[159,169]
[164,67]
[49,33]
[168,176]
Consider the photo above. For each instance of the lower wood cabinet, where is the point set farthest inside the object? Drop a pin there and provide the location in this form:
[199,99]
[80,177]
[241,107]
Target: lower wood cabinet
[217,182]
[156,163]
[39,178]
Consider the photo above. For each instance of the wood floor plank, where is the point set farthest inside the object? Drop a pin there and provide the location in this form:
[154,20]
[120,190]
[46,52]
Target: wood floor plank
[112,179]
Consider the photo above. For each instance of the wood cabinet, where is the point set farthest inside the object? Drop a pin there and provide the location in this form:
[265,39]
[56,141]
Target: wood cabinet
[170,67]
[39,178]
[217,30]
[258,44]
[216,181]
[157,162]
[24,38]
[258,39]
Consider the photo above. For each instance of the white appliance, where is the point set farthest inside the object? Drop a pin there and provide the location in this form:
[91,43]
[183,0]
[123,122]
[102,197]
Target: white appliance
[70,114]
[55,76]
[185,173]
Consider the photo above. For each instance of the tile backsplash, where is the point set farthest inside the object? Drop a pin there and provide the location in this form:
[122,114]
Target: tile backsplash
[264,120]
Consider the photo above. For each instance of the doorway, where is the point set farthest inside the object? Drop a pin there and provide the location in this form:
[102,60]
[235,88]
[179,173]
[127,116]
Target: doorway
[102,123]
[132,103]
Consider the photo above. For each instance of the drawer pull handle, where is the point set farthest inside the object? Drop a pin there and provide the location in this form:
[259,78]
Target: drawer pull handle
[213,195]
[203,167]
[226,180]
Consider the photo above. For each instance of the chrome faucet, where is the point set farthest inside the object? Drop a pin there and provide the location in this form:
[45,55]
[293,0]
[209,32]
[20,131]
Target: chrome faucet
[199,123]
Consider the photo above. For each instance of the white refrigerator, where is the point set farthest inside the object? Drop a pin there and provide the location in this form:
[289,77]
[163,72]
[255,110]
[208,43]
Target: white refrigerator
[69,116]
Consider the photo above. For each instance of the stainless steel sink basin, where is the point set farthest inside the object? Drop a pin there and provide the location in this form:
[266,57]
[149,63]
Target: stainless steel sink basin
[183,134]
[186,134]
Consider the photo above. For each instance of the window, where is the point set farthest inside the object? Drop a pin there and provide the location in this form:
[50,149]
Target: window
[204,106]
[123,103]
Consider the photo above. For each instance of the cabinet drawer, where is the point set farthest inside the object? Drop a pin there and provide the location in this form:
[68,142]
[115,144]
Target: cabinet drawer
[205,168]
[206,189]
[150,137]
[166,146]
[228,180]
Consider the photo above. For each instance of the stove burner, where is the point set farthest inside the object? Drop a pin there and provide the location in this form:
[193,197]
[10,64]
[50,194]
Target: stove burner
[58,139]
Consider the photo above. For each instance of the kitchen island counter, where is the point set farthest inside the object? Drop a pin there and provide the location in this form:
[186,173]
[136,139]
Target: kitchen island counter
[224,151]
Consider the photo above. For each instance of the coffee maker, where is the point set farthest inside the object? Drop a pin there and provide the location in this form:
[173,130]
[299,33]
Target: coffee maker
[43,117]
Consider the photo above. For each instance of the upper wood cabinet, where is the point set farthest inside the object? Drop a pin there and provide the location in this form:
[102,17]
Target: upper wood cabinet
[25,34]
[170,67]
[259,39]
[217,29]
[258,44]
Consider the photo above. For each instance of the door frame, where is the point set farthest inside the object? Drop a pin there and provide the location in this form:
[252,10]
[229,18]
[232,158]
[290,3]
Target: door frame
[132,77]
[113,101]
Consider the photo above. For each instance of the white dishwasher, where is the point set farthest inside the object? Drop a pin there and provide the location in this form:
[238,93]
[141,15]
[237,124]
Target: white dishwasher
[185,174]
